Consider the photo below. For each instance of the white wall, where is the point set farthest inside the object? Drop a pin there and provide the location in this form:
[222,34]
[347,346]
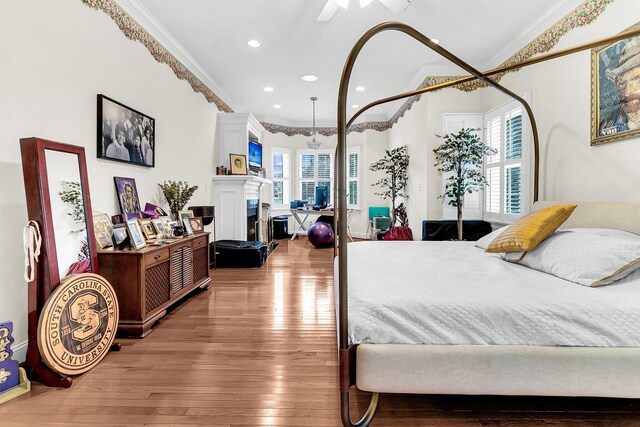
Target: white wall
[418,129]
[560,99]
[372,145]
[56,58]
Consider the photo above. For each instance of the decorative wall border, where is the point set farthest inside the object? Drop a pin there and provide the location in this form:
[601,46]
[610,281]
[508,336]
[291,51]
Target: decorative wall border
[583,15]
[325,131]
[133,31]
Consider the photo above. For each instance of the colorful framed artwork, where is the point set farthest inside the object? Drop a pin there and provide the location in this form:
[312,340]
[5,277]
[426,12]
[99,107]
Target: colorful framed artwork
[124,134]
[182,215]
[187,226]
[196,224]
[127,194]
[135,234]
[615,102]
[238,164]
[148,229]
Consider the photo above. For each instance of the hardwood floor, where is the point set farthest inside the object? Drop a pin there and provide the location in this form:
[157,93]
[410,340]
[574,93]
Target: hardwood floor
[259,349]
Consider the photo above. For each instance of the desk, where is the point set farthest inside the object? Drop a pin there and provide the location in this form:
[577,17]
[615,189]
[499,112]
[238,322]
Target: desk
[307,212]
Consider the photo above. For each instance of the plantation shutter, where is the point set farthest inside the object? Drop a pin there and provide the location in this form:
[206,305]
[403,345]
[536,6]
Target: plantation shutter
[281,171]
[353,178]
[505,199]
[316,170]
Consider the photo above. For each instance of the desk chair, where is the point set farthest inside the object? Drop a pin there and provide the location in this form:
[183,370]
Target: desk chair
[377,211]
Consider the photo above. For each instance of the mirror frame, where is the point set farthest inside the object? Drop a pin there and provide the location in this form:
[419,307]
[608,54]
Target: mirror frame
[47,274]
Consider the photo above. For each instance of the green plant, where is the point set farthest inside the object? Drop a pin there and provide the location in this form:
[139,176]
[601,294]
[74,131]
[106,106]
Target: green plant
[72,195]
[461,154]
[394,164]
[177,194]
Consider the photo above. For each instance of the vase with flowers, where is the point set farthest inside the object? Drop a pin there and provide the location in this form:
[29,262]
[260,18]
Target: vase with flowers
[177,194]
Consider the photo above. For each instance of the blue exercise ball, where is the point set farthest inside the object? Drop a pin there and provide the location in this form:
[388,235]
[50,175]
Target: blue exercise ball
[320,235]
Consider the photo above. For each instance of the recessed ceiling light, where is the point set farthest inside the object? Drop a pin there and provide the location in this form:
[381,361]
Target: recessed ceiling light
[355,106]
[436,41]
[277,106]
[268,89]
[253,43]
[309,77]
[360,88]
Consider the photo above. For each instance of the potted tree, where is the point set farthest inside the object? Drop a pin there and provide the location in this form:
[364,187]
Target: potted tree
[394,164]
[461,154]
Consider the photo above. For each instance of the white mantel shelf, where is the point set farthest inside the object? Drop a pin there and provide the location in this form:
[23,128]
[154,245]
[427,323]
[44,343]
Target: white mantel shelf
[230,195]
[240,178]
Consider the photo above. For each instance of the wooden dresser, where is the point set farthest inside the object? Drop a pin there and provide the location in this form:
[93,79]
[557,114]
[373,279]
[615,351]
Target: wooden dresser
[150,280]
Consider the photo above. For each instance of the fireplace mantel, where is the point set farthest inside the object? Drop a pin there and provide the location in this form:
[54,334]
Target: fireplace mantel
[230,195]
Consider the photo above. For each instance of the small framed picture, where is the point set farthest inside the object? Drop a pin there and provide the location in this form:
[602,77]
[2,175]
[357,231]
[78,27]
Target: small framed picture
[182,215]
[238,164]
[171,227]
[187,226]
[148,229]
[196,224]
[103,229]
[159,226]
[165,222]
[127,195]
[135,234]
[119,235]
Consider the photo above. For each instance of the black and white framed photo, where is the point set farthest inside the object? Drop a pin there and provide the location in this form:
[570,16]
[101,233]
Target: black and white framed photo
[124,134]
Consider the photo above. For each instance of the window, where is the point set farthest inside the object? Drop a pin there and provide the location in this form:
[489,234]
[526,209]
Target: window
[353,177]
[281,171]
[315,169]
[506,197]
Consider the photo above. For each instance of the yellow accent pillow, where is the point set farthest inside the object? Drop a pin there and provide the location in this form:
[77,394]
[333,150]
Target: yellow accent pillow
[529,231]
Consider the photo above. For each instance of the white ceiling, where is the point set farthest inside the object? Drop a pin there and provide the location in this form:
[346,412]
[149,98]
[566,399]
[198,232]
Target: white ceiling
[210,37]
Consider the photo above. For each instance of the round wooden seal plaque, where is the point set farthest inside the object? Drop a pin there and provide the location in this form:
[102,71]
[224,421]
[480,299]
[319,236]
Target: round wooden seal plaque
[78,324]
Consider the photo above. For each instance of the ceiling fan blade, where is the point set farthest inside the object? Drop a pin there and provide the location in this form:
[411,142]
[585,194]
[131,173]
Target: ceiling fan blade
[328,11]
[395,5]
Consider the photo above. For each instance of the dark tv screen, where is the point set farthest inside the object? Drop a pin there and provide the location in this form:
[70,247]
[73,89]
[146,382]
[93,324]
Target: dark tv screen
[255,155]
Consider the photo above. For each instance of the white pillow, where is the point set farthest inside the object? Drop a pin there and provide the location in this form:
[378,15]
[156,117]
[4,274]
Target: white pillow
[589,257]
[483,242]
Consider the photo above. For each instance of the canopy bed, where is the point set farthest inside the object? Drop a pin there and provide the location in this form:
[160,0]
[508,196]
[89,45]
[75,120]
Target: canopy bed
[463,336]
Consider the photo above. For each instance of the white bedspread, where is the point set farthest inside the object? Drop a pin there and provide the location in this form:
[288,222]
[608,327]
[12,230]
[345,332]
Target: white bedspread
[455,293]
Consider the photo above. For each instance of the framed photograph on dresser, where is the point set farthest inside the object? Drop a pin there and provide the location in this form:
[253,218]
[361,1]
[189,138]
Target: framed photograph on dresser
[135,234]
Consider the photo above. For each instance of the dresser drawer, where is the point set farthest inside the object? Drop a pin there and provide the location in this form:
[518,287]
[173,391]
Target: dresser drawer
[156,257]
[198,243]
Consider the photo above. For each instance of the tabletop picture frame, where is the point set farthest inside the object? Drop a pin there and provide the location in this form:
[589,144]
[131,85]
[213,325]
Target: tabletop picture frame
[135,234]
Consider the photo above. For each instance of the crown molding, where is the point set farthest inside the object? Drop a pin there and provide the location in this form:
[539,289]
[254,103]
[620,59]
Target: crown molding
[584,14]
[551,17]
[151,25]
[139,25]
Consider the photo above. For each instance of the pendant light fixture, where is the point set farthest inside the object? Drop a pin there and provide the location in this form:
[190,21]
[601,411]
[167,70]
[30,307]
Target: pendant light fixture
[313,143]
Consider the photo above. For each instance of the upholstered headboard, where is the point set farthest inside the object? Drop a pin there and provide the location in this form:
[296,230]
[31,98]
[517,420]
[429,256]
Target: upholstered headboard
[622,216]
